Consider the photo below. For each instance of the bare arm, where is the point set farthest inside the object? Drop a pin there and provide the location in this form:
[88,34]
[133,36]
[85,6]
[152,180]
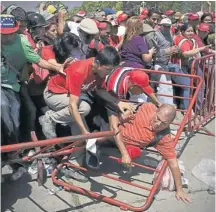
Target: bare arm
[114,123]
[73,108]
[193,52]
[148,57]
[155,100]
[44,64]
[173,165]
[61,22]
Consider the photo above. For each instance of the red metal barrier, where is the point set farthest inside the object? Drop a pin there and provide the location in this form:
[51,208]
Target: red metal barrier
[207,108]
[79,141]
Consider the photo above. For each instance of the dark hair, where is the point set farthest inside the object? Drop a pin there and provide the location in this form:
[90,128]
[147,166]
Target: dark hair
[63,46]
[153,10]
[204,16]
[108,56]
[130,13]
[185,26]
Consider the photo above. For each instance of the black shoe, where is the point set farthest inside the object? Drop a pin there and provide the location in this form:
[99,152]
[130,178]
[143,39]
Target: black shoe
[75,174]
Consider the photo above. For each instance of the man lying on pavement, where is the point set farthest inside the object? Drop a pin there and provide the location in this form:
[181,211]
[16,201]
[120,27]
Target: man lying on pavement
[140,130]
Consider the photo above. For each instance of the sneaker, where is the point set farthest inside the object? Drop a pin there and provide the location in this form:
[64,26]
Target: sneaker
[48,126]
[75,174]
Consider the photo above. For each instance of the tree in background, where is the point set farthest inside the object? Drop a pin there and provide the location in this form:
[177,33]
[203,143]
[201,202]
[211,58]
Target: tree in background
[180,6]
[90,6]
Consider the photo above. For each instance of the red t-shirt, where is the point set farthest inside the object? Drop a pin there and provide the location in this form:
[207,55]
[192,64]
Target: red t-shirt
[47,53]
[78,74]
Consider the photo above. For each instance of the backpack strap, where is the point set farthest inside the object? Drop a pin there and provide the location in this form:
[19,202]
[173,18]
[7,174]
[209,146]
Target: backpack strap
[158,137]
[181,42]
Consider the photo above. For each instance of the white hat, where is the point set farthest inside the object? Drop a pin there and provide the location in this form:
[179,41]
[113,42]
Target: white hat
[166,22]
[89,26]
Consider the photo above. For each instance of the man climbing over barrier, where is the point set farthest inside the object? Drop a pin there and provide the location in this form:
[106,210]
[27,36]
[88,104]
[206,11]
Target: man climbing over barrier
[142,129]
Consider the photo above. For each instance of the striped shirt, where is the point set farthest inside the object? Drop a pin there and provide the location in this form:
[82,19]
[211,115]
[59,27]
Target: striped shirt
[139,132]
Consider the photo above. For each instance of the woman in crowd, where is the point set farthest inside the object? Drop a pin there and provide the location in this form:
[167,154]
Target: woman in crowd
[189,51]
[206,18]
[135,51]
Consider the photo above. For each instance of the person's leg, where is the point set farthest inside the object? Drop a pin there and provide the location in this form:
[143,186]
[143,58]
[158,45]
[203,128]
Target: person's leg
[10,109]
[164,88]
[28,114]
[60,112]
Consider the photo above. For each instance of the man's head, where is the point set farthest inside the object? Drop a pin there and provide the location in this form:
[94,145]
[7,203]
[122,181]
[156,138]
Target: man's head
[203,30]
[154,17]
[87,30]
[106,60]
[9,26]
[163,117]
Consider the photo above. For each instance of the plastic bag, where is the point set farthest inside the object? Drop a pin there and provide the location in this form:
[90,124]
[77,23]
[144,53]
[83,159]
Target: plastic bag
[167,182]
[205,172]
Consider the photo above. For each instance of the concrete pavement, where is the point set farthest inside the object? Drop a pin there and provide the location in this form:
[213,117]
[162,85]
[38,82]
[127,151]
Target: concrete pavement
[25,195]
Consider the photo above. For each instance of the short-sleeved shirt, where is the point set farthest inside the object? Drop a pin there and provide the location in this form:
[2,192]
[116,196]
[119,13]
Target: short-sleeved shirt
[139,132]
[78,74]
[47,53]
[16,54]
[132,51]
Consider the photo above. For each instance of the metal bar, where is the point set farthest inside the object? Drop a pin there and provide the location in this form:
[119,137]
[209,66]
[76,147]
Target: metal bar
[53,141]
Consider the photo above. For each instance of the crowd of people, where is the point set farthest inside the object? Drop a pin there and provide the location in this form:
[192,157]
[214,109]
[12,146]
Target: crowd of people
[65,74]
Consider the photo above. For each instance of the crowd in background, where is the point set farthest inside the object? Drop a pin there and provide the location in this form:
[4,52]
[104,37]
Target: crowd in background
[47,58]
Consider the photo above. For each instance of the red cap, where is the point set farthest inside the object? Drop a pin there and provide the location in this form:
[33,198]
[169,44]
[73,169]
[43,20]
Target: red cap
[102,25]
[144,12]
[169,12]
[81,13]
[122,17]
[142,17]
[140,78]
[193,17]
[204,27]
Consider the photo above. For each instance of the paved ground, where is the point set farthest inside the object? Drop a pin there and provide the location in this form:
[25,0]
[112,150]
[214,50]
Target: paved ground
[25,195]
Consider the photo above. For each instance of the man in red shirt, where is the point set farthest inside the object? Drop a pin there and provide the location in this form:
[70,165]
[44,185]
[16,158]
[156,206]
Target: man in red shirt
[141,129]
[135,81]
[62,94]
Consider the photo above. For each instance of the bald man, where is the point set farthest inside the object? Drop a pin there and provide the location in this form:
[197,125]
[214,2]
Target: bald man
[141,129]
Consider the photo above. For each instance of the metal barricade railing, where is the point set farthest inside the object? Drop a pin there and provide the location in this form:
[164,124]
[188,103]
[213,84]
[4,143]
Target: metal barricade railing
[204,111]
[78,143]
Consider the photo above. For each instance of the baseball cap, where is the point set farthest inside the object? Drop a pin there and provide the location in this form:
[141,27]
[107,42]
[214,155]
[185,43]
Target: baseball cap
[147,28]
[193,17]
[102,25]
[47,15]
[122,17]
[166,22]
[119,13]
[8,24]
[169,12]
[140,78]
[204,27]
[144,12]
[89,26]
[81,13]
[178,15]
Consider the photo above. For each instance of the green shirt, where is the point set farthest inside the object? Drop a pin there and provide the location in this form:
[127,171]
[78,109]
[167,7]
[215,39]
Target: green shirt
[16,55]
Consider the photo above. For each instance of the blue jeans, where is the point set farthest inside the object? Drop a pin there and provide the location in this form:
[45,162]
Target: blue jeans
[10,113]
[186,81]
